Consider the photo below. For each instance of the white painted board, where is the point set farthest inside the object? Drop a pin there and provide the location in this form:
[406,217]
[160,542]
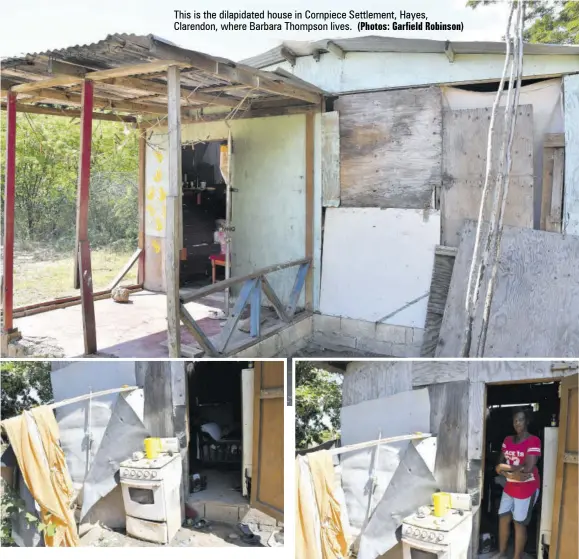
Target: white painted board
[247,417]
[375,261]
[571,192]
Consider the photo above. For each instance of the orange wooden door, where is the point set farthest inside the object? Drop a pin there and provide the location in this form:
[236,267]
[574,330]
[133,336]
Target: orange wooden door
[564,535]
[268,439]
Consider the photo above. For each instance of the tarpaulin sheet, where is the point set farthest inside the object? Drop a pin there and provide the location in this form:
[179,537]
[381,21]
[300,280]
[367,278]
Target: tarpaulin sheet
[124,435]
[411,487]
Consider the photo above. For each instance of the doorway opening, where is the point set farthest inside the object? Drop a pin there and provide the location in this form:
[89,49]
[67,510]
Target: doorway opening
[220,423]
[544,402]
[204,213]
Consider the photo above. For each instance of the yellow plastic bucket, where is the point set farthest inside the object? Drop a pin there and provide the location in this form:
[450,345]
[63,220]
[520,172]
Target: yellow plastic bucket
[152,447]
[441,503]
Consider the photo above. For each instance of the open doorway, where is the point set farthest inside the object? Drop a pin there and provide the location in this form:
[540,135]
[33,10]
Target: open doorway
[544,402]
[218,412]
[204,213]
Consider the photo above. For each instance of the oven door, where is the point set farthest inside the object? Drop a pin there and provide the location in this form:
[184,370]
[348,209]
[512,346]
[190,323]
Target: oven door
[144,499]
[413,549]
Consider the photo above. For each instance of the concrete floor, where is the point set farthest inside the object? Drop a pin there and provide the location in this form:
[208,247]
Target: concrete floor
[137,329]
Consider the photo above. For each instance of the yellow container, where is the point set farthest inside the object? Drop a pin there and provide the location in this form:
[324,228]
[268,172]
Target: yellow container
[441,503]
[152,448]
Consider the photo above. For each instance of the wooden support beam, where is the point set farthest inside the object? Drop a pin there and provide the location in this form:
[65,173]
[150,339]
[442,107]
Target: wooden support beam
[309,213]
[255,308]
[9,201]
[160,89]
[191,325]
[233,319]
[297,289]
[83,188]
[86,298]
[235,73]
[172,244]
[99,75]
[221,285]
[448,50]
[60,68]
[336,50]
[141,203]
[68,113]
[125,269]
[274,300]
[288,55]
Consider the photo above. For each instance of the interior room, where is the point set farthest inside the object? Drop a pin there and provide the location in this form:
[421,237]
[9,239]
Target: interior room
[216,421]
[204,213]
[502,400]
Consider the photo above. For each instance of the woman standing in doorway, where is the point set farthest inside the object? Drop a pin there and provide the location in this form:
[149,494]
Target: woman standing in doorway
[518,463]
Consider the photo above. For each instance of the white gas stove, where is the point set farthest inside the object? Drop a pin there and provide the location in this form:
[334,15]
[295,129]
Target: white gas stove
[151,494]
[426,536]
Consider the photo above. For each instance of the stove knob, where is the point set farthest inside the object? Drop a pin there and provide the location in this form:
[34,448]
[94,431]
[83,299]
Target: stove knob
[423,534]
[132,473]
[147,474]
[440,537]
[139,474]
[153,475]
[431,536]
[416,532]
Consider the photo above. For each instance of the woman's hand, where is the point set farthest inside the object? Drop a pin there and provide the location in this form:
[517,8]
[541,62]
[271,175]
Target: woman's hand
[518,476]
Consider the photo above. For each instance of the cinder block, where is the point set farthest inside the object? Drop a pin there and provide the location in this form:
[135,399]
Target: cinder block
[377,347]
[270,346]
[295,333]
[401,350]
[325,323]
[417,336]
[391,333]
[249,352]
[414,350]
[332,340]
[218,512]
[358,328]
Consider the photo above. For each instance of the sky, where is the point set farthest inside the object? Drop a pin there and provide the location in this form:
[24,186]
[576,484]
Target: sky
[29,26]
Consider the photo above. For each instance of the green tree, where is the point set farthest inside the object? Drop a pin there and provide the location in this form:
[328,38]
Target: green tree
[318,400]
[547,21]
[23,385]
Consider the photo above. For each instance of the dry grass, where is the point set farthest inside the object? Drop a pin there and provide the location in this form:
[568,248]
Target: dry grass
[39,276]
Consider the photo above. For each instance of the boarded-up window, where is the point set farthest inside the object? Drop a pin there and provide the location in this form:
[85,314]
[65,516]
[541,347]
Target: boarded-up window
[465,134]
[390,148]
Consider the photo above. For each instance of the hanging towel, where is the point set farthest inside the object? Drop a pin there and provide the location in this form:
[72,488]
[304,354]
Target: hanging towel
[320,532]
[34,437]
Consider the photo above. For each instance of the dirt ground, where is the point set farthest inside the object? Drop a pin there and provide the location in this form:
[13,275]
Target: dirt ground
[217,535]
[42,275]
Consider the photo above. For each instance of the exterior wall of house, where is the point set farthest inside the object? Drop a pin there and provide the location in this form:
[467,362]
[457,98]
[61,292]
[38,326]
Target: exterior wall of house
[360,71]
[268,211]
[571,191]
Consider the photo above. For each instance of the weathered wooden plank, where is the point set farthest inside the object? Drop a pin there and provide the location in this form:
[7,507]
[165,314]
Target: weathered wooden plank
[86,298]
[554,141]
[221,285]
[130,263]
[512,371]
[536,301]
[368,380]
[69,113]
[141,203]
[294,297]
[439,286]
[233,319]
[435,372]
[465,134]
[390,148]
[274,299]
[174,210]
[255,310]
[571,200]
[547,187]
[158,411]
[197,333]
[451,403]
[476,418]
[554,220]
[309,212]
[330,159]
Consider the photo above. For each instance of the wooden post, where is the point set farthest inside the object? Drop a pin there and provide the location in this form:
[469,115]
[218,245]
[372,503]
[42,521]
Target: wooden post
[9,195]
[83,272]
[309,290]
[141,204]
[172,244]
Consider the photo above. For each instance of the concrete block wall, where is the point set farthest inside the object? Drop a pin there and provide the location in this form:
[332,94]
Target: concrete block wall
[284,343]
[388,340]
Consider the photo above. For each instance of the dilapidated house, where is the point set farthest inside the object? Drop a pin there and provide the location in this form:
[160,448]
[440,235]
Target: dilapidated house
[344,171]
[466,408]
[224,426]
